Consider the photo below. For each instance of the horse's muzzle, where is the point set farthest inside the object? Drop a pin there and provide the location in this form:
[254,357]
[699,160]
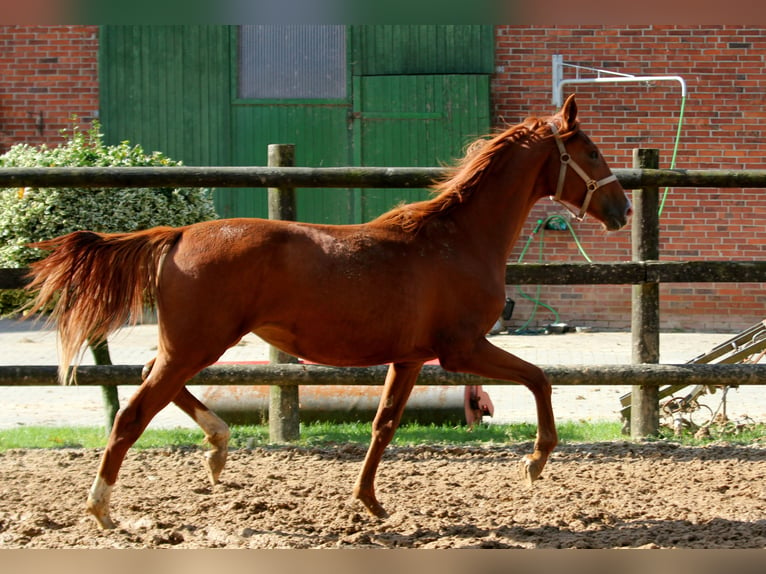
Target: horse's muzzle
[616,220]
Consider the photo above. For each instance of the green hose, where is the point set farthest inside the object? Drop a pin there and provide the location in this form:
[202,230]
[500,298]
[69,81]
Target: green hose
[675,150]
[540,228]
[536,299]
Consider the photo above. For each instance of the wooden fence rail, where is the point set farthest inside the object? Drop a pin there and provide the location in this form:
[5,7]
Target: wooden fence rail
[291,374]
[342,177]
[282,177]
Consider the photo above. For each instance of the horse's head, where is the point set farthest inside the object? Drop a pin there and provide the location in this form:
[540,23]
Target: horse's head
[580,176]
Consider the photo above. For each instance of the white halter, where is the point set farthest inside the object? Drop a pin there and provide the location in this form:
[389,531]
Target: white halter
[591,184]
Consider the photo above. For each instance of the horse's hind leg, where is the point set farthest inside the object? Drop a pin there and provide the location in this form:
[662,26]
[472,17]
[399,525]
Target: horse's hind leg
[399,382]
[216,431]
[160,387]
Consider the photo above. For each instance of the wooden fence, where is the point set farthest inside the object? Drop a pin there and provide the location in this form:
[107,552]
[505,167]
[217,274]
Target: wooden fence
[645,273]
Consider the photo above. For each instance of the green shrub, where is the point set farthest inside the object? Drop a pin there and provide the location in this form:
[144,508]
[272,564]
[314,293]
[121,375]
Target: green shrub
[11,300]
[34,214]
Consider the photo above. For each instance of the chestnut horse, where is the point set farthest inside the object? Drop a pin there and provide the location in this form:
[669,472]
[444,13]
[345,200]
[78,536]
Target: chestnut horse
[423,281]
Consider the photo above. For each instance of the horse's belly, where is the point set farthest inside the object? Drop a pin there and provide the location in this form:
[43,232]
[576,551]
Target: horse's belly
[346,345]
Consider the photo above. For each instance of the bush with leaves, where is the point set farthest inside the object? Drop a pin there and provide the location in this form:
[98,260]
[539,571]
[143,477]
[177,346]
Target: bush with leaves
[34,214]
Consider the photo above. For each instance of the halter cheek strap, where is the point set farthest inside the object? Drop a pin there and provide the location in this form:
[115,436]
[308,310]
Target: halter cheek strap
[591,184]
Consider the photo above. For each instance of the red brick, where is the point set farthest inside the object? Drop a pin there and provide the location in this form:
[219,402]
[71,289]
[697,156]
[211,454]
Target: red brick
[51,69]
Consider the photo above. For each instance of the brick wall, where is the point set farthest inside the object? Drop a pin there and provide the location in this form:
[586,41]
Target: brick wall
[723,127]
[48,74]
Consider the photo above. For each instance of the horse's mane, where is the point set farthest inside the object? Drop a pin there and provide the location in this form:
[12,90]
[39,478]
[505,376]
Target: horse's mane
[463,178]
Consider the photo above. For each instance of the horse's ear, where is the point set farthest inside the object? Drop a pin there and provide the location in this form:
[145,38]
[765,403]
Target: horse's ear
[569,112]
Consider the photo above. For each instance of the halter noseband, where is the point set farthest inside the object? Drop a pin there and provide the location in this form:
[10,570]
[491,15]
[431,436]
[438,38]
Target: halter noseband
[591,184]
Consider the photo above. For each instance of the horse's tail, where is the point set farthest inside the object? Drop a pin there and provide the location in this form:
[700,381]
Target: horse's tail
[94,283]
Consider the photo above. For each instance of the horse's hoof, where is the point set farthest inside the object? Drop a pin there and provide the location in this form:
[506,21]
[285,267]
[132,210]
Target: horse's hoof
[376,510]
[98,503]
[215,461]
[105,522]
[372,506]
[531,469]
[101,516]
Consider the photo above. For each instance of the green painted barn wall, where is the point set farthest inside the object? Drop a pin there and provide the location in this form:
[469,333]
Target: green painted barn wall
[321,138]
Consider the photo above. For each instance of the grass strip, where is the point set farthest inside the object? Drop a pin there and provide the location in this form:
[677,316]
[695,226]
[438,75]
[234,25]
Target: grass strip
[328,434]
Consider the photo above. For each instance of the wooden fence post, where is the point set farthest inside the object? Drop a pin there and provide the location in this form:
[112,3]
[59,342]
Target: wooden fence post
[645,301]
[110,395]
[284,415]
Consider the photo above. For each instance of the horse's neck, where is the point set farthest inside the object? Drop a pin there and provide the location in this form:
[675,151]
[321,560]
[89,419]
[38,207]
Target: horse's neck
[498,208]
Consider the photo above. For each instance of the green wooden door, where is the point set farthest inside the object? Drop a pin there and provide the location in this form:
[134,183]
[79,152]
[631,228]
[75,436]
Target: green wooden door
[291,87]
[398,49]
[320,135]
[414,121]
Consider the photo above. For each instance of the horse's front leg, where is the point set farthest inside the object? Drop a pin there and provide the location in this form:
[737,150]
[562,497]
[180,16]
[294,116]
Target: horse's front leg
[486,360]
[161,385]
[399,382]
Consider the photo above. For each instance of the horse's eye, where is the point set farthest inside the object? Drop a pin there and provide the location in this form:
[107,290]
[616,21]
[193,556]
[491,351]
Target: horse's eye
[594,155]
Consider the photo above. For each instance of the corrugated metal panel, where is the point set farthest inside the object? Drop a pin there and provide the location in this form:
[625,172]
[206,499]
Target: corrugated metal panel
[412,121]
[168,89]
[423,49]
[281,61]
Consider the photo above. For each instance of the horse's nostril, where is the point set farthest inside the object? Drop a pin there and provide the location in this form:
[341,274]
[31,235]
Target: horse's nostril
[629,210]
